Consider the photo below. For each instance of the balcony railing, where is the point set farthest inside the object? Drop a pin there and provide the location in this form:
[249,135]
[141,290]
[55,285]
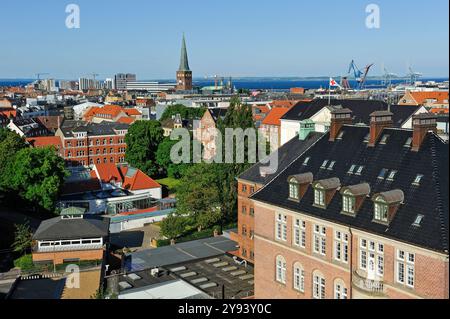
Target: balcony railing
[375,287]
[51,249]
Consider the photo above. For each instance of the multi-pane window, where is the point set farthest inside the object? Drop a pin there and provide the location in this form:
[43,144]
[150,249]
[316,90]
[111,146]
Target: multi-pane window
[300,233]
[340,291]
[293,189]
[348,202]
[299,278]
[252,211]
[281,270]
[319,195]
[371,257]
[244,210]
[318,286]
[341,246]
[281,227]
[320,242]
[380,210]
[405,268]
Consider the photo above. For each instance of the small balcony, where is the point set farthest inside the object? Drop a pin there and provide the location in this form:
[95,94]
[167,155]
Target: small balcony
[372,287]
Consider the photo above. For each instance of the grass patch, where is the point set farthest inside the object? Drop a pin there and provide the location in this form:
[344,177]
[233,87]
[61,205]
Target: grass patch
[170,183]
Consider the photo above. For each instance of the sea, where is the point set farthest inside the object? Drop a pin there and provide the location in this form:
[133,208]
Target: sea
[276,84]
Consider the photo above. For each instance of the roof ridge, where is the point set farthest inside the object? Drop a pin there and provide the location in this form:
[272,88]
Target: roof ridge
[436,175]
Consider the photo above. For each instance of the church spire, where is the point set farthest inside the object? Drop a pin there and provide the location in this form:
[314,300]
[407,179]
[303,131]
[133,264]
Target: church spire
[184,62]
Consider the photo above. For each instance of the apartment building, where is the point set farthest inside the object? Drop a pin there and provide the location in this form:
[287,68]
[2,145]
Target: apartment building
[93,143]
[361,213]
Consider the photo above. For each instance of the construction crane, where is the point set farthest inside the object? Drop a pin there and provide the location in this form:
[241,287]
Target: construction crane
[360,76]
[38,75]
[413,76]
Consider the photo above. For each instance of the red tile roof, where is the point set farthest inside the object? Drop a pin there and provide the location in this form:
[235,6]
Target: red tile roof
[439,110]
[273,118]
[441,97]
[138,181]
[8,112]
[44,141]
[126,120]
[108,172]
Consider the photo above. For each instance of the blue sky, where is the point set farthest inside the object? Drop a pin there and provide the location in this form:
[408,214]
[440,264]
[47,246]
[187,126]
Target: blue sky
[228,38]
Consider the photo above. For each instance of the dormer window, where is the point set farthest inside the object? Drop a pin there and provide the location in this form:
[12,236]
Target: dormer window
[352,168]
[348,202]
[383,173]
[319,196]
[353,197]
[293,189]
[386,205]
[324,191]
[380,210]
[418,220]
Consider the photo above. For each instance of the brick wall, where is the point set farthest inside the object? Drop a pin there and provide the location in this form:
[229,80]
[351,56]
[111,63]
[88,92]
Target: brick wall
[58,257]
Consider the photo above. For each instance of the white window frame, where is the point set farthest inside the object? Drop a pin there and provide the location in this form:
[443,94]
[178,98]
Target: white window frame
[299,277]
[320,239]
[280,269]
[281,227]
[319,286]
[340,290]
[341,246]
[376,249]
[406,261]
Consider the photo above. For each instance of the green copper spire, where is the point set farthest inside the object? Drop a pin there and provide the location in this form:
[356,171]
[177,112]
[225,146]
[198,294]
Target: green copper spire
[184,63]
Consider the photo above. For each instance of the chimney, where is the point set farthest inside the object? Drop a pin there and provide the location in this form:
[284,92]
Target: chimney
[379,120]
[422,124]
[339,118]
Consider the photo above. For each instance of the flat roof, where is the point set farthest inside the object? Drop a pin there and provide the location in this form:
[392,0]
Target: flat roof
[183,252]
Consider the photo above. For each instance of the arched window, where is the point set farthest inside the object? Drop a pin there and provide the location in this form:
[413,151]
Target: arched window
[281,269]
[340,291]
[380,209]
[293,189]
[299,277]
[318,285]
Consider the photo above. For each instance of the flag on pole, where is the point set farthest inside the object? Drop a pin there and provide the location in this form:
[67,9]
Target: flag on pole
[333,83]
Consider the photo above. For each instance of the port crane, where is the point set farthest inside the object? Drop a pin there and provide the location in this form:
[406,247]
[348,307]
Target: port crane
[360,76]
[413,76]
[38,75]
[387,77]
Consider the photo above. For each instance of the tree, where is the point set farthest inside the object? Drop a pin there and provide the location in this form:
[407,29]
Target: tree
[197,198]
[37,175]
[142,140]
[173,226]
[23,238]
[187,113]
[10,144]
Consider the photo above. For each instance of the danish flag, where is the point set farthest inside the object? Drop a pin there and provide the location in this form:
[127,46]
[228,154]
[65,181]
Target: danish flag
[333,82]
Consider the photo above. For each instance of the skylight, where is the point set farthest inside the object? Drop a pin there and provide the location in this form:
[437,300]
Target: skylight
[366,139]
[392,175]
[341,134]
[382,174]
[408,142]
[359,171]
[305,162]
[384,139]
[418,179]
[418,220]
[330,167]
[352,168]
[324,164]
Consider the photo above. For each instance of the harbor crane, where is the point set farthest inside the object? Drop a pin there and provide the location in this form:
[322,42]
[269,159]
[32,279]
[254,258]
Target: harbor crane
[38,75]
[387,77]
[360,76]
[413,76]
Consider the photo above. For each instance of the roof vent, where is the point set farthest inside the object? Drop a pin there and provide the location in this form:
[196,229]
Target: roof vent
[418,220]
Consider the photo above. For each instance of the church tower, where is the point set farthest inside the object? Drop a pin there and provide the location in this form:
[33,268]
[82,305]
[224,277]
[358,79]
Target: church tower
[184,74]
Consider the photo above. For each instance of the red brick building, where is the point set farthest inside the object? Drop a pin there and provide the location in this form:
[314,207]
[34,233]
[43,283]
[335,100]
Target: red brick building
[360,213]
[89,144]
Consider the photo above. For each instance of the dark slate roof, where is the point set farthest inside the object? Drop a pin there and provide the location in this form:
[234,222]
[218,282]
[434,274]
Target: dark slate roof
[361,109]
[93,129]
[429,199]
[402,113]
[59,229]
[217,113]
[286,154]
